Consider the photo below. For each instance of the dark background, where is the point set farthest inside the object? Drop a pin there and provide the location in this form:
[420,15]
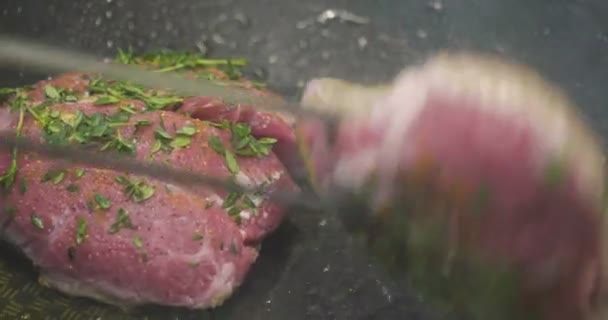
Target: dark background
[309,269]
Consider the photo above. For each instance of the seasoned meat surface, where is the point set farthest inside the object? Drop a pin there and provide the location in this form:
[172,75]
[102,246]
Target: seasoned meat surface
[132,240]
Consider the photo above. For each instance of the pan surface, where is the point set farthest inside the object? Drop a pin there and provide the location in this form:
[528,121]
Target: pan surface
[309,269]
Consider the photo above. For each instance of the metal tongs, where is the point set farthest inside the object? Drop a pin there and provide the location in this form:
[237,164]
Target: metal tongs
[15,51]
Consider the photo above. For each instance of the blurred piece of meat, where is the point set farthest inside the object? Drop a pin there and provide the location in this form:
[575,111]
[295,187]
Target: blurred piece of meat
[497,157]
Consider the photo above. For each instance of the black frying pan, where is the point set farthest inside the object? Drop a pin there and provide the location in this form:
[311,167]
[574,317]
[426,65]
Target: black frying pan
[309,269]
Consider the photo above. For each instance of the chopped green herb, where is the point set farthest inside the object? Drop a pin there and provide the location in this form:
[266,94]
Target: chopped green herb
[232,71]
[242,143]
[255,148]
[180,142]
[119,144]
[58,178]
[160,102]
[81,231]
[240,130]
[231,199]
[141,123]
[183,138]
[197,236]
[163,140]
[128,109]
[224,124]
[23,188]
[187,130]
[95,129]
[55,94]
[122,180]
[51,92]
[248,202]
[125,57]
[19,103]
[138,191]
[216,144]
[161,133]
[120,118]
[72,188]
[7,91]
[80,172]
[235,212]
[241,135]
[247,145]
[142,192]
[236,202]
[37,222]
[122,221]
[231,162]
[267,140]
[106,100]
[137,242]
[70,98]
[156,146]
[166,60]
[102,202]
[54,176]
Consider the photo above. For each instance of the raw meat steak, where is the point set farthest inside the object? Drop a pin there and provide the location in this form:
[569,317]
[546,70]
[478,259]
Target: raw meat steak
[130,240]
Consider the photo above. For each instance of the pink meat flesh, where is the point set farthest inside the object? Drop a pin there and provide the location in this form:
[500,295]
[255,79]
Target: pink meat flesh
[263,124]
[191,252]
